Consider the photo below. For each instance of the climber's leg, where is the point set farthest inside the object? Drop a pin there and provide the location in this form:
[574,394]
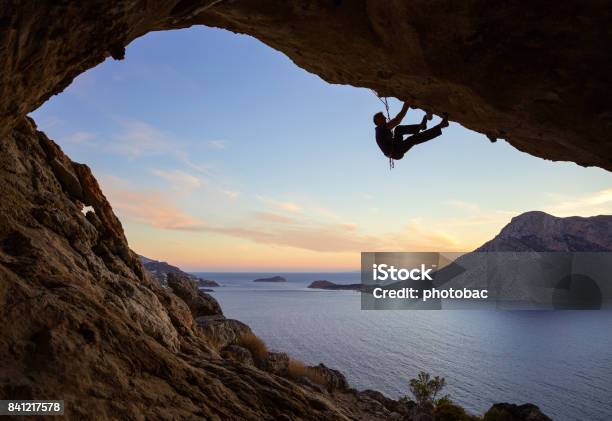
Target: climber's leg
[426,117]
[418,138]
[423,136]
[405,129]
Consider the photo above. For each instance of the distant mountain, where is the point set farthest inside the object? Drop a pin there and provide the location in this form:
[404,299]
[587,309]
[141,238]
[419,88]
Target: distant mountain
[539,231]
[160,270]
[536,261]
[540,263]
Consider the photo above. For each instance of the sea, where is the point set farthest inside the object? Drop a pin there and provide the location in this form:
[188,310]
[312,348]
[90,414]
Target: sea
[559,360]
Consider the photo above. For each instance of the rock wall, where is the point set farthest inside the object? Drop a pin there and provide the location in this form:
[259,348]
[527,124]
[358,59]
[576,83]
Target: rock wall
[537,74]
[539,231]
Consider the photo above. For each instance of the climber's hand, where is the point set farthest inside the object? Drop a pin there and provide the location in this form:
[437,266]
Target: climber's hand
[398,118]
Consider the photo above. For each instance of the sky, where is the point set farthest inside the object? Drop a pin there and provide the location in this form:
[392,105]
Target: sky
[219,154]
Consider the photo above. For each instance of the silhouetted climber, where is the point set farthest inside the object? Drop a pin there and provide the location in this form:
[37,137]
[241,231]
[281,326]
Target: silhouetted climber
[392,143]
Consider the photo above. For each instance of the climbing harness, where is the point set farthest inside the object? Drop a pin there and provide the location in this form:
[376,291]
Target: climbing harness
[385,102]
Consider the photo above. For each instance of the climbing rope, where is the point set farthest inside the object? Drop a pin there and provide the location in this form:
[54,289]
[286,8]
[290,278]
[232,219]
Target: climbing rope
[385,102]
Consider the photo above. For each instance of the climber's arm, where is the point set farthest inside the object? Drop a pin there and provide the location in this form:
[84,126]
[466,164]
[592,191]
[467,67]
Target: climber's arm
[398,118]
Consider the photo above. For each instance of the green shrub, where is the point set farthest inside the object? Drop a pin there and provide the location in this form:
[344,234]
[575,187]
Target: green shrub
[425,389]
[495,414]
[444,400]
[446,410]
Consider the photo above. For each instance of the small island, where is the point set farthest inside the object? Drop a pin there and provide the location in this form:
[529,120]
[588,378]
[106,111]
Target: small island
[271,279]
[328,285]
[207,283]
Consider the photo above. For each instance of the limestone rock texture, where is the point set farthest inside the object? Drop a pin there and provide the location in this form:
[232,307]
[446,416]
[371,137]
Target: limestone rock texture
[539,231]
[200,303]
[536,74]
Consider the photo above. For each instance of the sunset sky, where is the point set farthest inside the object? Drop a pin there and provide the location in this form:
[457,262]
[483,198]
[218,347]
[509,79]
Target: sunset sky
[218,153]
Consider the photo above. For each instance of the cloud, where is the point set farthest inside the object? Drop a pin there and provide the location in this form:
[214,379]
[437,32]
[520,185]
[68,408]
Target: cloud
[588,204]
[79,138]
[460,204]
[302,233]
[289,206]
[146,207]
[477,215]
[289,226]
[273,217]
[326,213]
[180,180]
[285,206]
[338,238]
[494,217]
[201,168]
[594,203]
[417,237]
[49,121]
[139,138]
[316,237]
[217,144]
[230,194]
[350,226]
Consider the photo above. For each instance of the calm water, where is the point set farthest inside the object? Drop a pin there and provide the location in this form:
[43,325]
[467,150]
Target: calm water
[561,361]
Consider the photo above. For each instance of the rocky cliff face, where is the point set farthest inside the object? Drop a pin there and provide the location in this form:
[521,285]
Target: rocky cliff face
[539,261]
[539,231]
[533,74]
[161,270]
